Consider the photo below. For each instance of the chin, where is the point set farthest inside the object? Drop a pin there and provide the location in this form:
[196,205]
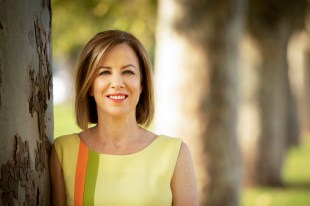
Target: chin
[119,113]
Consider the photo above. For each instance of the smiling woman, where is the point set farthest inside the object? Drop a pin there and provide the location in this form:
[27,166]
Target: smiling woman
[117,86]
[117,162]
[90,62]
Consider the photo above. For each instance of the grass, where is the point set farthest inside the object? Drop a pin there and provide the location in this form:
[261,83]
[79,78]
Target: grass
[296,172]
[64,120]
[296,175]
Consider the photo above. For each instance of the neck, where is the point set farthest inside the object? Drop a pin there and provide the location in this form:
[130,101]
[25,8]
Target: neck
[116,130]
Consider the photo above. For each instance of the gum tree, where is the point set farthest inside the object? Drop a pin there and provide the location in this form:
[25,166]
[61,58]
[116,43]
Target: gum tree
[26,114]
[196,77]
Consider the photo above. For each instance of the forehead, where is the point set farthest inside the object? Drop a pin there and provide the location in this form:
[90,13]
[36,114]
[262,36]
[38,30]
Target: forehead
[119,54]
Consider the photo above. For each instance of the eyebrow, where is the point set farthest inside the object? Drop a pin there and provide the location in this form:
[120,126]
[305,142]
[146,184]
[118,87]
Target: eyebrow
[103,67]
[123,67]
[129,65]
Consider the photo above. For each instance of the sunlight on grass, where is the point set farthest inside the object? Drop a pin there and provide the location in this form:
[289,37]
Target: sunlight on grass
[276,197]
[296,176]
[297,170]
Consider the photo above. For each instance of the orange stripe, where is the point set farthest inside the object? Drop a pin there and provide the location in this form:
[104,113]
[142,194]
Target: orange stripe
[80,174]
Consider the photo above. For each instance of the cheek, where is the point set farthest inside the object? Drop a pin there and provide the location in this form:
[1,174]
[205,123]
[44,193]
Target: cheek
[98,84]
[139,87]
[134,84]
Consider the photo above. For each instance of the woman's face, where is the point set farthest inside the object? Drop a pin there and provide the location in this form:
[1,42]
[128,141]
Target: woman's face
[117,86]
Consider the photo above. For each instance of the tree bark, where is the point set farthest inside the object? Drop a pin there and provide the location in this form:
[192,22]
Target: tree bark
[196,84]
[26,108]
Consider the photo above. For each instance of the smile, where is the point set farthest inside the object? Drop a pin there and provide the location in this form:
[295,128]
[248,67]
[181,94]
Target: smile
[117,97]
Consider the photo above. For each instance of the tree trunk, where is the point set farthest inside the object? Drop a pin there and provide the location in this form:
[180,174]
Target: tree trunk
[297,58]
[270,24]
[268,114]
[273,107]
[26,108]
[196,84]
[306,89]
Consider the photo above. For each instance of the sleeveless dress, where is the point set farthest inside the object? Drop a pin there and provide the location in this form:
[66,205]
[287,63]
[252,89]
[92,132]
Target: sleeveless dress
[137,179]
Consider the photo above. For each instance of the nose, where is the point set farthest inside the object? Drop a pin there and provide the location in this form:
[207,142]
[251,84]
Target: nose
[117,81]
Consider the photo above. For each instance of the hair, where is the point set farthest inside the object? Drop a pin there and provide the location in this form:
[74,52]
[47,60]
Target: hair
[99,45]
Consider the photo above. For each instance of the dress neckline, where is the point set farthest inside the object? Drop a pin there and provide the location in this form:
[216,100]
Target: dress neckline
[145,149]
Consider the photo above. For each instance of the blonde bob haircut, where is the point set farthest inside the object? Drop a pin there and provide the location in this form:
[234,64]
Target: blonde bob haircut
[95,49]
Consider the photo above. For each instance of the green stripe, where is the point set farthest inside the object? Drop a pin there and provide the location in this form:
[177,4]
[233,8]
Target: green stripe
[91,177]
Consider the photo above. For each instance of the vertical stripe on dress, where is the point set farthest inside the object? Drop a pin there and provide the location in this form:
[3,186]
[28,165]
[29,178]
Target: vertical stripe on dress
[91,178]
[80,174]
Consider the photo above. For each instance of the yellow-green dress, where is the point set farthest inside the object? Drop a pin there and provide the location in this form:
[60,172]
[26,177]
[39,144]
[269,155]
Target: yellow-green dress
[137,179]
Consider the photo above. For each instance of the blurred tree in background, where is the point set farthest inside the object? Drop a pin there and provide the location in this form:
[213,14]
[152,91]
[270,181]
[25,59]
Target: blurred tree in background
[271,24]
[198,42]
[75,22]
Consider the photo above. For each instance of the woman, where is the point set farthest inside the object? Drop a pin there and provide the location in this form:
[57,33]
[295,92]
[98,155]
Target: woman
[117,162]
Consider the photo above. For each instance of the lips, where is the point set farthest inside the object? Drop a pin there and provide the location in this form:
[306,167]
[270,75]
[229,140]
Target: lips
[117,97]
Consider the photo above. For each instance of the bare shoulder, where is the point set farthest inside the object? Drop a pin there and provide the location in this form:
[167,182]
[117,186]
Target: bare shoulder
[183,182]
[185,153]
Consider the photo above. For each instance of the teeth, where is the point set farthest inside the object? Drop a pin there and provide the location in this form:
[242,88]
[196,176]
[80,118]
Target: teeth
[117,97]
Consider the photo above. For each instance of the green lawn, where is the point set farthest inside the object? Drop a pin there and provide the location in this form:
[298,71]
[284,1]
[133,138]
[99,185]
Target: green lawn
[64,120]
[296,170]
[296,174]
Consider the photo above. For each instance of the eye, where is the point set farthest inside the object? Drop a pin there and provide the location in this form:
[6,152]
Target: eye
[128,72]
[105,72]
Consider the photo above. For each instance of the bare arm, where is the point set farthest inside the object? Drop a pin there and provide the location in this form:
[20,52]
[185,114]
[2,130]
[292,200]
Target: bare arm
[183,182]
[57,180]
